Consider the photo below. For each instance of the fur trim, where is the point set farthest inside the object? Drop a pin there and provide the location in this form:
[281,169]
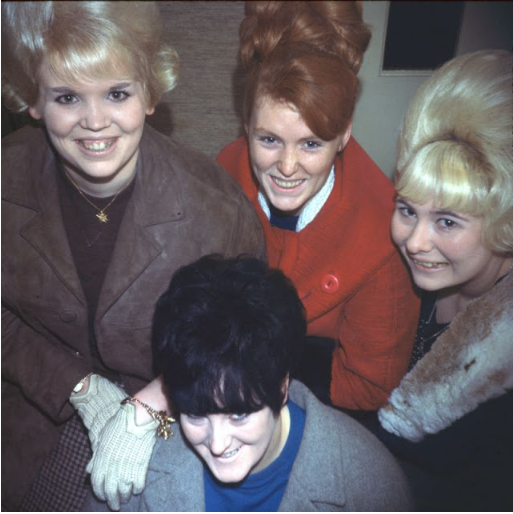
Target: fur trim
[469,364]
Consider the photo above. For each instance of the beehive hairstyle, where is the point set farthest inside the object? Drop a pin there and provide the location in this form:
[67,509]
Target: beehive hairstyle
[307,55]
[455,144]
[83,41]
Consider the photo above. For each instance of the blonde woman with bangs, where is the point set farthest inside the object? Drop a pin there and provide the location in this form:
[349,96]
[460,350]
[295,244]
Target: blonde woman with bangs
[450,421]
[98,210]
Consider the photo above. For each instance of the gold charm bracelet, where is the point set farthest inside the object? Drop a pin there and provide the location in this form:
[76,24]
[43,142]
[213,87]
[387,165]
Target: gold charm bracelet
[164,428]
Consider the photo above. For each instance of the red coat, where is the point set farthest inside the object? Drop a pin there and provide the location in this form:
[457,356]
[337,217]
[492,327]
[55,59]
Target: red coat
[351,279]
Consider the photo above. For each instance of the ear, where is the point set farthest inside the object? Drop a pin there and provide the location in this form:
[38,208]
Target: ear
[285,389]
[345,137]
[150,110]
[35,113]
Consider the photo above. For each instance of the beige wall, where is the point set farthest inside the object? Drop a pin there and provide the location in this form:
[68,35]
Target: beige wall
[384,99]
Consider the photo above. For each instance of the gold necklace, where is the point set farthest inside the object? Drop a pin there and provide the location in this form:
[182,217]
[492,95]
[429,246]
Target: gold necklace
[101,212]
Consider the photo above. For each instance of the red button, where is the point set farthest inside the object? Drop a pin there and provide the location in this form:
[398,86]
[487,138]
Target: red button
[330,283]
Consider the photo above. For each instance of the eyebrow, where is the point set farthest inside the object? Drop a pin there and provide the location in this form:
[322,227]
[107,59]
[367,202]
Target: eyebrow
[262,131]
[438,212]
[68,90]
[445,212]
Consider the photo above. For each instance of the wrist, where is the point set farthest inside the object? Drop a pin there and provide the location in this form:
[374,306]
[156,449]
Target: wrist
[82,386]
[161,417]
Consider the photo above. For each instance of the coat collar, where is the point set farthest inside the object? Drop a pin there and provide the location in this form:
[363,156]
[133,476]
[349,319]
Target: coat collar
[469,364]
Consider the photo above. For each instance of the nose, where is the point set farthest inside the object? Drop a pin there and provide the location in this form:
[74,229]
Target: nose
[220,437]
[288,163]
[419,239]
[94,117]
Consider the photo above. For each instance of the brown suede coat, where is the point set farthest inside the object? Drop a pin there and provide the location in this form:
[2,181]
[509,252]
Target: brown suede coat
[183,206]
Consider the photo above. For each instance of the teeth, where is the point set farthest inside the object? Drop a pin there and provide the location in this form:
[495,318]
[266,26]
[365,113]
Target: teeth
[97,146]
[287,184]
[230,454]
[430,264]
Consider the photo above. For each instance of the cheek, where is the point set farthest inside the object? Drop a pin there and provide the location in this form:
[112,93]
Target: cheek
[258,161]
[397,229]
[318,166]
[133,120]
[194,435]
[59,124]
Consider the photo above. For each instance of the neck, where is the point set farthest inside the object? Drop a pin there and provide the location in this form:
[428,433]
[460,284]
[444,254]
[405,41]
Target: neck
[278,440]
[103,187]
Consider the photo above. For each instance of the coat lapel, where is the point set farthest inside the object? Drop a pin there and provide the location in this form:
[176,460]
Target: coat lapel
[184,476]
[46,233]
[307,490]
[137,245]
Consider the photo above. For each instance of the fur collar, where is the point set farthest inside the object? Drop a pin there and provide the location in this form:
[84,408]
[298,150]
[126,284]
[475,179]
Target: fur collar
[469,364]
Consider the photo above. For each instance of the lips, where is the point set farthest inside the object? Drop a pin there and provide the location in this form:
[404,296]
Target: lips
[287,184]
[99,145]
[232,453]
[429,265]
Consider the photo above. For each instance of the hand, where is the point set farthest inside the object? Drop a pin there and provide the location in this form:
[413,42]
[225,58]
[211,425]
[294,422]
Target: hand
[101,401]
[120,461]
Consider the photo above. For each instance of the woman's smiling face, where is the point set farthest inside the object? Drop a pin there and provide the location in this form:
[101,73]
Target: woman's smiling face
[290,163]
[96,126]
[443,248]
[234,445]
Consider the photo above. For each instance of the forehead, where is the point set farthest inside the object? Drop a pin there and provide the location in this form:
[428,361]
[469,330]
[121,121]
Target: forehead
[278,116]
[48,79]
[51,73]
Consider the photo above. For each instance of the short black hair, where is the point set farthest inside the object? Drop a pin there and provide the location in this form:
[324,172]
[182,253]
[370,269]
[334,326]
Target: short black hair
[225,335]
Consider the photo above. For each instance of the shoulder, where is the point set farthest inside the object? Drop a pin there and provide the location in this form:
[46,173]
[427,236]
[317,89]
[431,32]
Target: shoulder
[24,154]
[232,153]
[363,177]
[234,158]
[168,162]
[469,364]
[24,147]
[357,464]
[335,424]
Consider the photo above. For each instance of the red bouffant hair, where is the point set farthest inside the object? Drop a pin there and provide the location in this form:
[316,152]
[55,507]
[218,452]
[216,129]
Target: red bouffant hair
[306,54]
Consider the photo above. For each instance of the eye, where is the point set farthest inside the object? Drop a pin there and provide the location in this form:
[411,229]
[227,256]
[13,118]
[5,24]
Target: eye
[405,211]
[312,145]
[66,99]
[267,140]
[194,420]
[447,223]
[119,95]
[238,418]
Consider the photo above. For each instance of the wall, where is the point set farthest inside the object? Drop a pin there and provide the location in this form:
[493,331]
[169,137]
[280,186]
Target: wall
[384,99]
[203,110]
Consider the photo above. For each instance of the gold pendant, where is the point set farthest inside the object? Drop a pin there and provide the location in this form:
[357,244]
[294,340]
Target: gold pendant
[102,217]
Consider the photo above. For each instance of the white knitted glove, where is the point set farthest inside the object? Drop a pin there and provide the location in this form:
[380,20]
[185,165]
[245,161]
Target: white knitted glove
[120,461]
[98,405]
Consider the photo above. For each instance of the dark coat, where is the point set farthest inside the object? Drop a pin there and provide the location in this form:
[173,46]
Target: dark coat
[183,206]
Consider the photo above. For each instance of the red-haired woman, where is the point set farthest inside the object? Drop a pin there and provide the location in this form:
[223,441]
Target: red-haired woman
[324,204]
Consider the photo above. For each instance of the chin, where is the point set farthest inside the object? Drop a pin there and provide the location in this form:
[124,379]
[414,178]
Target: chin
[430,285]
[230,477]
